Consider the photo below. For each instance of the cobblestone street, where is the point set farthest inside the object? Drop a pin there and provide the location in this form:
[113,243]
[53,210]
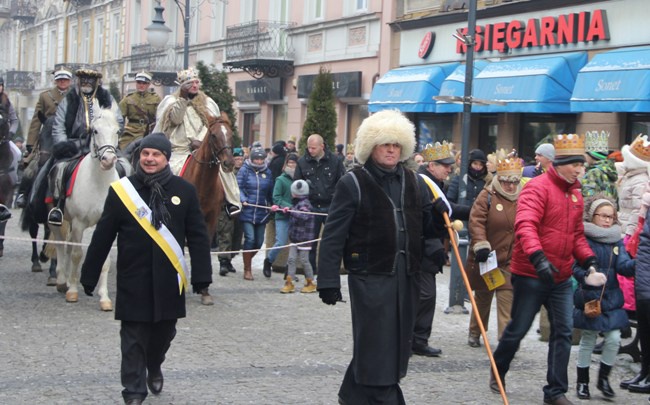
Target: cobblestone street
[254,346]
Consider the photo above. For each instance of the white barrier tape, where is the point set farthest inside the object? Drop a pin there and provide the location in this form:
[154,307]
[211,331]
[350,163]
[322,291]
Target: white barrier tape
[282,211]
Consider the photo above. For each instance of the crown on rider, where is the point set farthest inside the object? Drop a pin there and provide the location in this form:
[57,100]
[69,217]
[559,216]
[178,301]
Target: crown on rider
[438,152]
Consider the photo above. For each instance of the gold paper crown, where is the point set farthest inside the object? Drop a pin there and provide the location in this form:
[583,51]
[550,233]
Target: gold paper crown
[569,144]
[350,148]
[597,142]
[509,167]
[641,147]
[187,74]
[437,151]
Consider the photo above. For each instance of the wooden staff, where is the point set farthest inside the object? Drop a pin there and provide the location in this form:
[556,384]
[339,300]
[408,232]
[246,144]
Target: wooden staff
[452,236]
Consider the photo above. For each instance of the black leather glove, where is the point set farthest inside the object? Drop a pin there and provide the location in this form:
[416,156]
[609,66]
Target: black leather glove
[440,206]
[88,290]
[543,267]
[591,262]
[482,255]
[330,296]
[65,149]
[439,258]
[28,148]
[198,287]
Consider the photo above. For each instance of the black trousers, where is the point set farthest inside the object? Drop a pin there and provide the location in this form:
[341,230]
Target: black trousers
[319,222]
[352,393]
[143,345]
[426,309]
[643,331]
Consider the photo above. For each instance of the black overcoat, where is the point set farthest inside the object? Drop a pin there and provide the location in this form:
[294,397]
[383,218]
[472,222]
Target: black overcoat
[147,283]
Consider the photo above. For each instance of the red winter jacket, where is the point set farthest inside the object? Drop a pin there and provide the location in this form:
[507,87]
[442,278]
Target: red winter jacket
[549,218]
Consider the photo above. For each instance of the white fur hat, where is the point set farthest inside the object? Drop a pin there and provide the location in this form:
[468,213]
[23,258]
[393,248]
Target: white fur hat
[630,161]
[386,126]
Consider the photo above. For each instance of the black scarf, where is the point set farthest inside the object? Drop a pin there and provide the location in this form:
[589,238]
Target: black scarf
[157,201]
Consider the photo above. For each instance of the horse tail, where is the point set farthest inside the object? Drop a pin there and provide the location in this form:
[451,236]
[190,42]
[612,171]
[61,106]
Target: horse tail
[26,218]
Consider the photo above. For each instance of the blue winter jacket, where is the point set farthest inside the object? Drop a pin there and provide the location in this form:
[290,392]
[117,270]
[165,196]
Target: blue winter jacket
[613,315]
[255,187]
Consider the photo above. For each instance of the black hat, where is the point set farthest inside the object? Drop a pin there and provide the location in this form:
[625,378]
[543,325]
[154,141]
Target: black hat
[2,81]
[257,153]
[278,148]
[568,159]
[159,141]
[291,156]
[477,155]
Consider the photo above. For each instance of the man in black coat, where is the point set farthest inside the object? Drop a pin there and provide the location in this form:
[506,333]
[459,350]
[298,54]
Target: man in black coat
[151,273]
[377,220]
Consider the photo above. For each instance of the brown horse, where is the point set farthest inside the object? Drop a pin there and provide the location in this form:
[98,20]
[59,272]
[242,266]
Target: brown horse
[202,169]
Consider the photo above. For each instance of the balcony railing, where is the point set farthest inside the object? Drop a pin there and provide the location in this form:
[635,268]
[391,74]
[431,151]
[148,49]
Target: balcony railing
[23,10]
[21,80]
[146,57]
[259,40]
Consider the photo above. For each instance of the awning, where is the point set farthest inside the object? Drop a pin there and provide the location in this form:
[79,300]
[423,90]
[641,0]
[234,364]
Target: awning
[533,84]
[410,89]
[614,81]
[454,85]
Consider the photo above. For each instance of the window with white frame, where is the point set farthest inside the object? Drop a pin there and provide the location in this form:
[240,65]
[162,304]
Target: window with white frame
[74,43]
[248,11]
[114,52]
[361,5]
[85,42]
[51,49]
[279,10]
[38,57]
[315,10]
[219,23]
[420,5]
[98,51]
[195,22]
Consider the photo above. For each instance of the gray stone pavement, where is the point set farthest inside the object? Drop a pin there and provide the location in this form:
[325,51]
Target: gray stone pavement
[254,346]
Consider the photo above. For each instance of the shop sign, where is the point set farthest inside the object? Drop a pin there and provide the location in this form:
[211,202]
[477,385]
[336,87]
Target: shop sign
[426,45]
[265,89]
[345,85]
[563,29]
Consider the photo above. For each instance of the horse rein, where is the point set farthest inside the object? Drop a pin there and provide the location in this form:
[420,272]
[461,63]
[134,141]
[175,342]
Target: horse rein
[99,151]
[214,161]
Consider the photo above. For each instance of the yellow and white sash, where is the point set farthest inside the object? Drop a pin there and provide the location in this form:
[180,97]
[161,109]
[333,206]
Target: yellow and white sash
[163,237]
[436,191]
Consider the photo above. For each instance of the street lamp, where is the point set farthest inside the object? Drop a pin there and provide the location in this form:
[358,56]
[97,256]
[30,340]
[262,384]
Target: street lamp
[158,32]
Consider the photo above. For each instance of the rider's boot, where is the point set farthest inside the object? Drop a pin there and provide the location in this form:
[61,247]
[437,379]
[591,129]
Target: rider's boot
[5,214]
[21,201]
[231,209]
[55,216]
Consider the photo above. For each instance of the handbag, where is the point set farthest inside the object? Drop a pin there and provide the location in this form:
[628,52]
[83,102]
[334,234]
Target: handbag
[592,308]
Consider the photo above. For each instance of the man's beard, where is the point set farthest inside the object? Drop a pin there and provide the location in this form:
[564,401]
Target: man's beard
[87,89]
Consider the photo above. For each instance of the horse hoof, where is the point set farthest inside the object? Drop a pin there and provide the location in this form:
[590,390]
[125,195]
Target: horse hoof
[51,281]
[106,306]
[43,257]
[61,288]
[36,267]
[71,296]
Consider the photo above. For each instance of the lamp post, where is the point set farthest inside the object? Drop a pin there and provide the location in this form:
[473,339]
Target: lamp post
[158,32]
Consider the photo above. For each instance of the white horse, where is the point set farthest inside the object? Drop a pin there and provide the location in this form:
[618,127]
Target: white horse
[84,206]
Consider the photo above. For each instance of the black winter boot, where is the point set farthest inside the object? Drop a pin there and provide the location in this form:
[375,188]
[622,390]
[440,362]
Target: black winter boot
[223,267]
[582,387]
[603,381]
[267,268]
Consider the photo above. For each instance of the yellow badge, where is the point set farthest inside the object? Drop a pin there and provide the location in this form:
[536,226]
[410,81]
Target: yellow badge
[574,198]
[176,200]
[499,207]
[615,250]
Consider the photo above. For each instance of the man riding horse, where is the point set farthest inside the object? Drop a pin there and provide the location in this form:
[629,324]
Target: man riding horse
[183,118]
[72,128]
[12,118]
[48,102]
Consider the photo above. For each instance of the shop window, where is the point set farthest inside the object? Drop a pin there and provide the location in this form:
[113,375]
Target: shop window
[356,114]
[636,124]
[280,114]
[411,6]
[538,128]
[488,130]
[251,131]
[434,128]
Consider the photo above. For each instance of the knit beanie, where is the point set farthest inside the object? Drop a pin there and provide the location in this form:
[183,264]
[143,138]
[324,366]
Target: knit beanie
[547,150]
[158,141]
[595,202]
[291,157]
[257,153]
[299,188]
[278,148]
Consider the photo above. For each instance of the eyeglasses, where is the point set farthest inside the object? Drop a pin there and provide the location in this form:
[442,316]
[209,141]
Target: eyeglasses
[510,183]
[607,217]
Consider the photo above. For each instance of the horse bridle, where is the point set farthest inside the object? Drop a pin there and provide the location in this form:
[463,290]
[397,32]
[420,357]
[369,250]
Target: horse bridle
[99,151]
[214,161]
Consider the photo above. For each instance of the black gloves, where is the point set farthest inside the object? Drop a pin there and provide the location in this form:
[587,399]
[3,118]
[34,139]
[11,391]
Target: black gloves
[482,255]
[88,290]
[64,150]
[440,206]
[591,262]
[543,267]
[330,296]
[198,287]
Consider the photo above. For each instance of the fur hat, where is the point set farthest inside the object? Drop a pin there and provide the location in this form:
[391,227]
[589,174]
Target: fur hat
[631,161]
[386,126]
[159,141]
[88,73]
[299,188]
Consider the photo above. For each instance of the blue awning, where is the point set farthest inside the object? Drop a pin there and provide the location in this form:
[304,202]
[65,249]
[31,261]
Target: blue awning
[614,81]
[409,89]
[454,85]
[533,84]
